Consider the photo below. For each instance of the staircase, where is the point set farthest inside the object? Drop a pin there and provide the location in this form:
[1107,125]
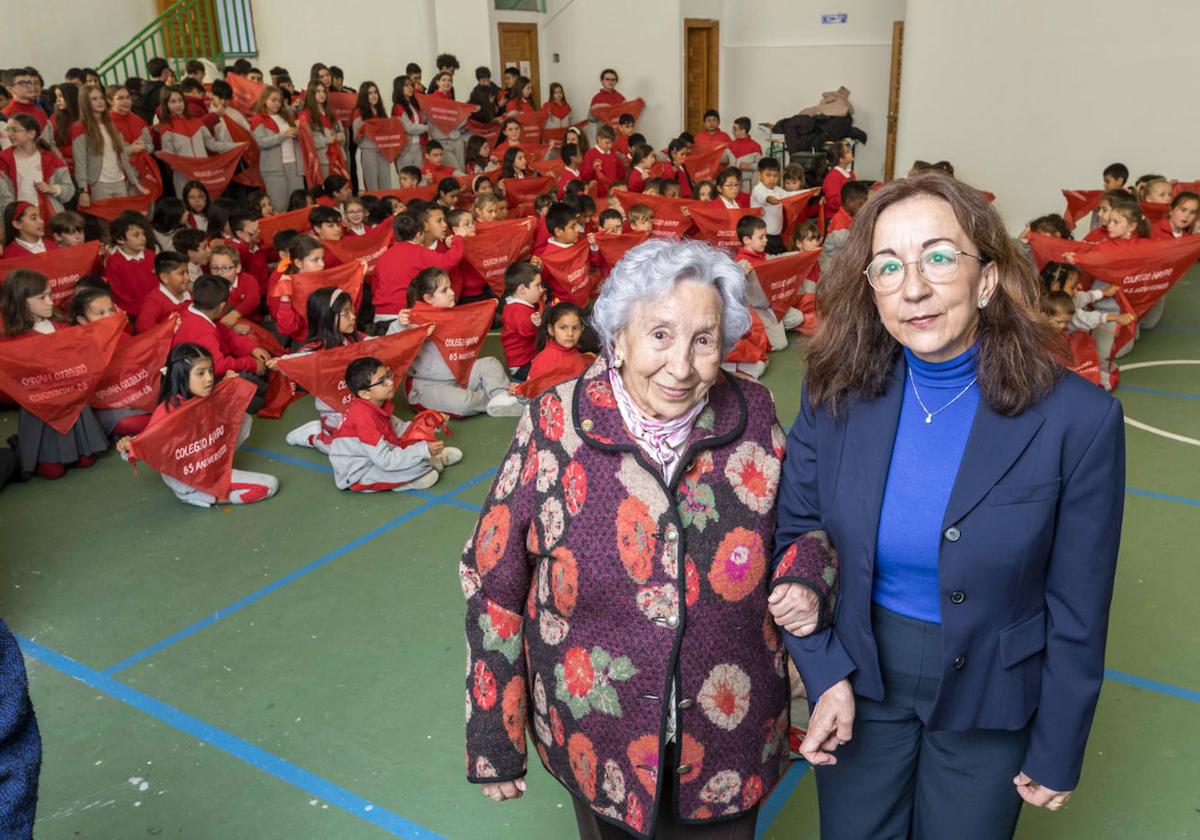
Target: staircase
[212,29]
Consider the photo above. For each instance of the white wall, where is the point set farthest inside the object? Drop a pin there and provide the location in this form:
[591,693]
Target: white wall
[781,58]
[368,39]
[641,39]
[67,33]
[1016,95]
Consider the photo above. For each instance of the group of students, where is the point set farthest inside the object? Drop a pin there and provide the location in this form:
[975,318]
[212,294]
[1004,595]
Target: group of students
[200,259]
[1078,305]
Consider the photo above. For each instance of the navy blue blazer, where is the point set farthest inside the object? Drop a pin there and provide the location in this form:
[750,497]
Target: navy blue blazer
[1026,565]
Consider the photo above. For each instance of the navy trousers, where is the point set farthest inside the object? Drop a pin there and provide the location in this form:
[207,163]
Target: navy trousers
[896,779]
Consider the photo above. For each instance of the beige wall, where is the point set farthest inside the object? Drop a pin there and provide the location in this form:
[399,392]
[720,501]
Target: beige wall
[1020,98]
[69,33]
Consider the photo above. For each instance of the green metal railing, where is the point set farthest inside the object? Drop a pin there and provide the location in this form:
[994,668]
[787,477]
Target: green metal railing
[188,29]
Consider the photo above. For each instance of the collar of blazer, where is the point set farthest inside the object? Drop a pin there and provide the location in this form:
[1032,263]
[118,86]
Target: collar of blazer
[995,442]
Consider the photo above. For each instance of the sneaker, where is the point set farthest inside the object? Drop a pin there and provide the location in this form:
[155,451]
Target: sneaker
[423,483]
[505,405]
[447,457]
[303,436]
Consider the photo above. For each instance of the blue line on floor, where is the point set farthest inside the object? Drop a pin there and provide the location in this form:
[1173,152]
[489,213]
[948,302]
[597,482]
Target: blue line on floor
[1162,497]
[1158,392]
[1152,685]
[271,455]
[252,755]
[779,797]
[268,589]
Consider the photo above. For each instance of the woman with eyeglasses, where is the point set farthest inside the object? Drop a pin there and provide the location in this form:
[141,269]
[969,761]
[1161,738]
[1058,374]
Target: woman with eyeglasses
[607,95]
[966,498]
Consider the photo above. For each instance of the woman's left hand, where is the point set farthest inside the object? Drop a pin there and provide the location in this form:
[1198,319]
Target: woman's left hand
[504,790]
[1039,796]
[795,608]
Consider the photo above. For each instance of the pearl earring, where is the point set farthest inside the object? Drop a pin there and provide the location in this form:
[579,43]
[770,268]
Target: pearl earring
[983,302]
[617,362]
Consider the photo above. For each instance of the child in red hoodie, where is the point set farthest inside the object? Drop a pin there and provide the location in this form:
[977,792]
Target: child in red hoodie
[521,317]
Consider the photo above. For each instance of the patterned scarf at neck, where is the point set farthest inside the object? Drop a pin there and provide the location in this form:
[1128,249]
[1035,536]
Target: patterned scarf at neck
[660,439]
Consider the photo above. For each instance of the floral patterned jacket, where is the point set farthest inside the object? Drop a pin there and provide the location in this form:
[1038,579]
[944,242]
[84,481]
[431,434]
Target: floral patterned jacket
[591,585]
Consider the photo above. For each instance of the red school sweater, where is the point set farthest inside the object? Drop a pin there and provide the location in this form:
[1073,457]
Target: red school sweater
[518,333]
[401,263]
[132,280]
[229,350]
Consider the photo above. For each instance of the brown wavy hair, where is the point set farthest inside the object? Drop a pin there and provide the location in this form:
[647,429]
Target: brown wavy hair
[852,354]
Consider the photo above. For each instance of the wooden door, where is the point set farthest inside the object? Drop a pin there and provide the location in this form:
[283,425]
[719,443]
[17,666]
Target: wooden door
[893,112]
[519,48]
[701,40]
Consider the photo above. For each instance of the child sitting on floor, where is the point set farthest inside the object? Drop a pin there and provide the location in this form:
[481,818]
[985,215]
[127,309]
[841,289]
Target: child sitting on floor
[190,375]
[368,453]
[521,317]
[432,382]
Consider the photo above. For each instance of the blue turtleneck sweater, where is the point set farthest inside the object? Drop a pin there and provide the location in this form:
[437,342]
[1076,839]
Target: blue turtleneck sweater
[925,459]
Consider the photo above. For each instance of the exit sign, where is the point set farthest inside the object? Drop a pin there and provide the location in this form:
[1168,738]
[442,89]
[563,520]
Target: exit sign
[839,17]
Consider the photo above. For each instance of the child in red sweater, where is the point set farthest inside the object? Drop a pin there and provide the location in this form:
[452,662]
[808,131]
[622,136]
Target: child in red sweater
[840,157]
[423,241]
[200,324]
[712,133]
[244,296]
[559,357]
[601,163]
[26,229]
[129,269]
[521,317]
[244,233]
[304,254]
[172,293]
[434,169]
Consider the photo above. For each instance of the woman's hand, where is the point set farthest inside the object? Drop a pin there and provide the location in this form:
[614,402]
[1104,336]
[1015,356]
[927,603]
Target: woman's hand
[1038,796]
[504,790]
[795,608]
[830,725]
[43,187]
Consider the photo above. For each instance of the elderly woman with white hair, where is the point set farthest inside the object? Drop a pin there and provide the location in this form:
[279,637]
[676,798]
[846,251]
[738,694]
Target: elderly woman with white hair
[617,580]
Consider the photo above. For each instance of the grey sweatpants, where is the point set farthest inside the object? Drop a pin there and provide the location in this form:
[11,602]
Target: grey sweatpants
[486,380]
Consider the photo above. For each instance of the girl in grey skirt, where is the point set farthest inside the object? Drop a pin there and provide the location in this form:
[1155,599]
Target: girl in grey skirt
[100,154]
[26,308]
[375,168]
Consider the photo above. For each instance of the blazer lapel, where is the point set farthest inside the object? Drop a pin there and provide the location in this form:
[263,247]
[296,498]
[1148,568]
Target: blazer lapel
[867,453]
[994,444]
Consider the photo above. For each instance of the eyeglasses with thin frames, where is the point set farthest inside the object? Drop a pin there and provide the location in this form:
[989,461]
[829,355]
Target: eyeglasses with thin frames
[937,264]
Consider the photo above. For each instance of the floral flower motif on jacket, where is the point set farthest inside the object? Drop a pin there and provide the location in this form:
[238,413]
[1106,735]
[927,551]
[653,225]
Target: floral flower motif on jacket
[574,484]
[739,565]
[564,580]
[582,756]
[550,416]
[513,703]
[754,476]
[725,696]
[614,782]
[721,788]
[637,538]
[501,631]
[584,680]
[492,538]
[484,682]
[642,753]
[506,480]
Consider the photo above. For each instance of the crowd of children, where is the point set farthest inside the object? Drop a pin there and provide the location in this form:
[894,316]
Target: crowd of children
[575,195]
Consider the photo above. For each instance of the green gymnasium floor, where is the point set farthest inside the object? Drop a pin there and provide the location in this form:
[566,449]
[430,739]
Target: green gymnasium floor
[294,669]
